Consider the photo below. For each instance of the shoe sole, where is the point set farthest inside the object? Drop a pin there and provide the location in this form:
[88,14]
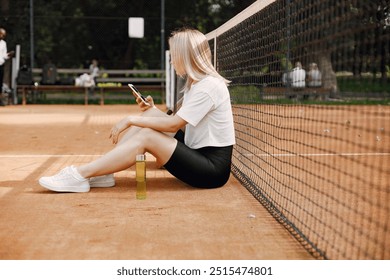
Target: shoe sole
[65,189]
[102,185]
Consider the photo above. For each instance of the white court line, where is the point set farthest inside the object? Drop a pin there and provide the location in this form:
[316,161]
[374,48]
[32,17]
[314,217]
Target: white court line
[246,155]
[148,156]
[318,155]
[46,156]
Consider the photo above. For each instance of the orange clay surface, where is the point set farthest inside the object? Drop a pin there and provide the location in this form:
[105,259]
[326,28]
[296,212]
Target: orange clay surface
[174,222]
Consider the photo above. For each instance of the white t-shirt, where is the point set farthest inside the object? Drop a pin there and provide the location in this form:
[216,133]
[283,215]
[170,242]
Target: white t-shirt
[298,76]
[207,110]
[315,78]
[3,52]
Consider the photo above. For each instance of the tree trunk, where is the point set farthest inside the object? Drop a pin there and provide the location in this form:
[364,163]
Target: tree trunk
[328,75]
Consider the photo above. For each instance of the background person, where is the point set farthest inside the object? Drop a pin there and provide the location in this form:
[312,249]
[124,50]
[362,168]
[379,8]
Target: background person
[297,79]
[298,76]
[94,70]
[199,156]
[4,55]
[314,77]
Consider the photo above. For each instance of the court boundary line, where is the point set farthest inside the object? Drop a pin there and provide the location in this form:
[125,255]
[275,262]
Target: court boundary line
[47,156]
[317,155]
[246,155]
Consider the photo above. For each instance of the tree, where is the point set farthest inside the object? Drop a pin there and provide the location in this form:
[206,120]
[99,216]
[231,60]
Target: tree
[336,32]
[70,32]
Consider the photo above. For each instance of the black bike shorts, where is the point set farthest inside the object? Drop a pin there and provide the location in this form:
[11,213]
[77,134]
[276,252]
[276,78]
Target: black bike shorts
[207,167]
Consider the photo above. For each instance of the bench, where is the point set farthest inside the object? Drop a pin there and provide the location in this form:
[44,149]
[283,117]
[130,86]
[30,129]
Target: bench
[104,89]
[132,76]
[143,79]
[31,89]
[306,91]
[150,76]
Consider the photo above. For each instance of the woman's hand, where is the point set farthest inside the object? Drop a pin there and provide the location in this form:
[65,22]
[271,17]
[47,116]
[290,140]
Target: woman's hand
[118,128]
[142,105]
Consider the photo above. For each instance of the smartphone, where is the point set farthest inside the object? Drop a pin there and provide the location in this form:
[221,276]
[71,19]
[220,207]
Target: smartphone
[137,93]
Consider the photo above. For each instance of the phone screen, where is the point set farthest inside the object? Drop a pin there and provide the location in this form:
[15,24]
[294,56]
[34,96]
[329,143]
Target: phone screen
[135,90]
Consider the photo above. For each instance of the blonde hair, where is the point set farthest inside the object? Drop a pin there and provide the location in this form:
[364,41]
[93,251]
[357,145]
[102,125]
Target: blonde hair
[191,51]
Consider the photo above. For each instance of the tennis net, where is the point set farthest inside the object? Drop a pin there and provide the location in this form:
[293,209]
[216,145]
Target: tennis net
[310,94]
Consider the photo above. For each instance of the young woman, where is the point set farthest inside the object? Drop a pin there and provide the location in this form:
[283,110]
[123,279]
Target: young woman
[195,144]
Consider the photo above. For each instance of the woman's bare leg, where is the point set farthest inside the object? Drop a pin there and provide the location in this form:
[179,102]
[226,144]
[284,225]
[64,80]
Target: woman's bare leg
[123,156]
[152,112]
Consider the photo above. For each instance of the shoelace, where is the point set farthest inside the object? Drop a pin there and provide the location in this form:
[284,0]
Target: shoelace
[63,174]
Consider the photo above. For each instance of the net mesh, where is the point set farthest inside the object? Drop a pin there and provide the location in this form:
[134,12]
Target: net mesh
[310,93]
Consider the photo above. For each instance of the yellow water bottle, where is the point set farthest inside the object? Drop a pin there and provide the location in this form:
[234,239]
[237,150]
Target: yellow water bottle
[140,175]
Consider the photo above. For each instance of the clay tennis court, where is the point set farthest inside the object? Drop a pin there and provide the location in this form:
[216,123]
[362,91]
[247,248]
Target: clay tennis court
[323,170]
[174,222]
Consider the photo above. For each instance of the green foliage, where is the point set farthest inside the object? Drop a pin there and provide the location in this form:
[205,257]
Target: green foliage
[245,94]
[363,85]
[71,32]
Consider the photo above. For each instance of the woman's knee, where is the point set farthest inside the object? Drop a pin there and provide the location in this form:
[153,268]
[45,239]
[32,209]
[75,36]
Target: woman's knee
[157,143]
[148,138]
[146,135]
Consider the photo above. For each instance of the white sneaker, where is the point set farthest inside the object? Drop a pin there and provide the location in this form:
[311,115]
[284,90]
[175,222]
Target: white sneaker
[104,181]
[67,180]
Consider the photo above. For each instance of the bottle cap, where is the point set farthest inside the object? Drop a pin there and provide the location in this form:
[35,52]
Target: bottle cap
[140,157]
